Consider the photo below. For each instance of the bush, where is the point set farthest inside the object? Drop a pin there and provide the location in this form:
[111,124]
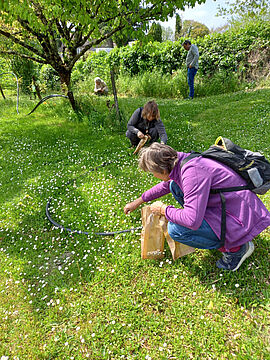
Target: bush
[220,83]
[48,78]
[96,64]
[25,70]
[154,84]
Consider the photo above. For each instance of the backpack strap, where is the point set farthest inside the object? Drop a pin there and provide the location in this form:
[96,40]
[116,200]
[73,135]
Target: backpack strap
[192,155]
[222,196]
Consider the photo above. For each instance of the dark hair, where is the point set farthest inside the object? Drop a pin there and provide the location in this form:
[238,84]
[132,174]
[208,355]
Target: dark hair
[151,108]
[187,42]
[158,158]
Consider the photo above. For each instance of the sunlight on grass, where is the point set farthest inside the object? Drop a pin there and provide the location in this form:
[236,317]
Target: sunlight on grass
[70,296]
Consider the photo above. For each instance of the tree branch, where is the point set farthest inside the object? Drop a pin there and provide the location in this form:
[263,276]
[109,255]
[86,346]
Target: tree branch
[22,43]
[11,52]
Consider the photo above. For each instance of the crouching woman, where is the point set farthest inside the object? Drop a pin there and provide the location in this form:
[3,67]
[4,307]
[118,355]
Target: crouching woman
[197,222]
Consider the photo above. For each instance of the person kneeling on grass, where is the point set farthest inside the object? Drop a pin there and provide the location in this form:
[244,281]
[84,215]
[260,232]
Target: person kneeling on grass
[100,87]
[146,121]
[198,222]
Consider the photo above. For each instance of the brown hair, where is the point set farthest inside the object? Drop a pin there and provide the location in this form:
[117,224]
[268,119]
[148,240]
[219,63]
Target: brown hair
[158,158]
[151,108]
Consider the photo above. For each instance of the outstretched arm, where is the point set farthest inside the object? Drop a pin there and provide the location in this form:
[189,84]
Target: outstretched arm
[133,205]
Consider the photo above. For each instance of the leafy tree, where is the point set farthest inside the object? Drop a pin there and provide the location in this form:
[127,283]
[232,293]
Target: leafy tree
[167,33]
[178,27]
[245,10]
[59,32]
[194,29]
[155,32]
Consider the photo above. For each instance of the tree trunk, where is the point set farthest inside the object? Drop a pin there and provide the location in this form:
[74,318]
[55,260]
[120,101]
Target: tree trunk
[2,92]
[66,88]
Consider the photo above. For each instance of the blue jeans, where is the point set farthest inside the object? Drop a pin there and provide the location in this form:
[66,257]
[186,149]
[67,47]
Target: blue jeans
[203,238]
[190,76]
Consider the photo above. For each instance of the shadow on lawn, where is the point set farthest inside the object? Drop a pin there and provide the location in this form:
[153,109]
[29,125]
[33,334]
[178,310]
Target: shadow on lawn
[248,286]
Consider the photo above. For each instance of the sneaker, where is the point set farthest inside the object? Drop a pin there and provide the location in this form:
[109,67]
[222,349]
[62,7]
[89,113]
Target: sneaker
[232,261]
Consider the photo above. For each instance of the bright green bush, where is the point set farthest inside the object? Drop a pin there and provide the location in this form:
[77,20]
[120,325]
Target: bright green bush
[24,70]
[226,52]
[96,64]
[153,84]
[159,85]
[49,78]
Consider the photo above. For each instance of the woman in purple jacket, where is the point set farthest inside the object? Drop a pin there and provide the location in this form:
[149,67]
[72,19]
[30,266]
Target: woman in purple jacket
[198,222]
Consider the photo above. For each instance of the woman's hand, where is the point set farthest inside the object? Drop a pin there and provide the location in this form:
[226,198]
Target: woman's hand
[133,205]
[140,135]
[158,208]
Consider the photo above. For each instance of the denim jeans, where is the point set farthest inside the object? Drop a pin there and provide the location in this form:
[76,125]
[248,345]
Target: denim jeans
[203,238]
[190,76]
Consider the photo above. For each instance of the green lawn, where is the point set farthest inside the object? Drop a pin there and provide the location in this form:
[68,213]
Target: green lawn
[72,296]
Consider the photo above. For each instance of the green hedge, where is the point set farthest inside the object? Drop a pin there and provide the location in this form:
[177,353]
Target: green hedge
[224,52]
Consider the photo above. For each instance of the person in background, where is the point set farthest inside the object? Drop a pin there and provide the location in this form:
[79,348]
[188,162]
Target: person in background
[100,87]
[146,121]
[198,222]
[34,90]
[192,63]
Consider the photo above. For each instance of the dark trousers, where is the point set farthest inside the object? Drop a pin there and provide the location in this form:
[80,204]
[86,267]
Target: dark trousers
[135,140]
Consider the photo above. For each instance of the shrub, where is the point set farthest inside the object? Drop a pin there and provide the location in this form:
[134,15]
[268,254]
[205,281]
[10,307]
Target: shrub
[25,70]
[48,78]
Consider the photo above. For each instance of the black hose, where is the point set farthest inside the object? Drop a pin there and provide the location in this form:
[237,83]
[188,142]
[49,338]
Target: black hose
[110,233]
[40,102]
[46,98]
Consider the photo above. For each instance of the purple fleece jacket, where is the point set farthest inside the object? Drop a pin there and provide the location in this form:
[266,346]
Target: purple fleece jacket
[246,214]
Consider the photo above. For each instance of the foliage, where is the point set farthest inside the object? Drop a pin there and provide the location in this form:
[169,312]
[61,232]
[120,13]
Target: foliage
[70,296]
[227,51]
[155,32]
[96,64]
[138,58]
[159,85]
[246,10]
[6,80]
[178,27]
[25,70]
[59,34]
[167,34]
[49,78]
[194,29]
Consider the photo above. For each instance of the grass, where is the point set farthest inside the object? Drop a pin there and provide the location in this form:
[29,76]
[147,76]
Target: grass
[70,296]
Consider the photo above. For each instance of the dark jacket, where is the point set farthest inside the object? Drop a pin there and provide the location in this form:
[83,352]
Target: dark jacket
[137,123]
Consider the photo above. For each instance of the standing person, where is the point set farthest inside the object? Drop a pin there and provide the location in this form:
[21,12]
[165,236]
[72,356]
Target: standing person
[198,222]
[192,62]
[34,90]
[146,121]
[100,87]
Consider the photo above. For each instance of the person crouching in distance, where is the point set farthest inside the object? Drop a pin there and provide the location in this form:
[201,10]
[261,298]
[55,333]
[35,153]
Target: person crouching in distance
[197,221]
[100,87]
[146,121]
